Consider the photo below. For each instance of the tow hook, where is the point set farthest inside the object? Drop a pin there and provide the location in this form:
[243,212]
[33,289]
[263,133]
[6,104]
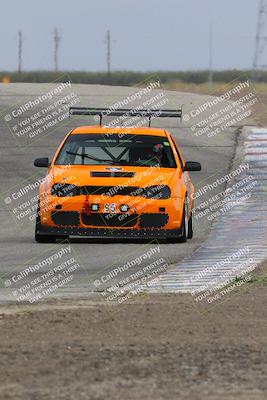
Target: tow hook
[87,208]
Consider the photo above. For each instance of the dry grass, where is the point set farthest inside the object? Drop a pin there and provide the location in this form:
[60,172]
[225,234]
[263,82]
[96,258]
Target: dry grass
[216,88]
[219,88]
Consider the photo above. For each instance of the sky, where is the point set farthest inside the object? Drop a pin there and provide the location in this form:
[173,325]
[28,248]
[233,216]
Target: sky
[147,35]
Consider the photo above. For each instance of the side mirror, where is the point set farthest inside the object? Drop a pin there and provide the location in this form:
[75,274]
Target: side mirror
[41,162]
[192,166]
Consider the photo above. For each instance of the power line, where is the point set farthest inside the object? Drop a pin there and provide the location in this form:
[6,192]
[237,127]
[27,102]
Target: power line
[19,51]
[261,40]
[108,53]
[211,58]
[56,47]
[108,42]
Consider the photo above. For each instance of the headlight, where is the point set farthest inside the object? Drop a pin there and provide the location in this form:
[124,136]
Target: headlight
[157,192]
[65,190]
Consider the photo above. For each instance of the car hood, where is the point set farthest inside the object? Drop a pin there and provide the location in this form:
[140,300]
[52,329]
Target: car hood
[112,176]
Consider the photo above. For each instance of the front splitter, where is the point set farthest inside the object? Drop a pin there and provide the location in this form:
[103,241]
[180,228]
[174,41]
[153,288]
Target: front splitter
[102,233]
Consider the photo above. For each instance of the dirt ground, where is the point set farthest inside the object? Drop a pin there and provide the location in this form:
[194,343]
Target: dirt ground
[156,347]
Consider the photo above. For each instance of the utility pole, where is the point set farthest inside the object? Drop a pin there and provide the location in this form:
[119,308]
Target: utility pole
[56,47]
[20,52]
[211,59]
[261,40]
[108,42]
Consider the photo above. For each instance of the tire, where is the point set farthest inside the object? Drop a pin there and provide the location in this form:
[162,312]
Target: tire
[190,227]
[185,225]
[42,238]
[45,238]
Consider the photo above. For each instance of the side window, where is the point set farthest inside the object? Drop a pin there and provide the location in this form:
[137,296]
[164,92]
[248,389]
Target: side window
[177,150]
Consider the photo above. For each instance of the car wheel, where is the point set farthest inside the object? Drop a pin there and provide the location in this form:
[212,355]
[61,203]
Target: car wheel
[184,236]
[185,227]
[190,227]
[44,238]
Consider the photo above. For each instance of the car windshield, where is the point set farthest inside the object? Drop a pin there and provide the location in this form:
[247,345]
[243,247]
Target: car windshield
[116,149]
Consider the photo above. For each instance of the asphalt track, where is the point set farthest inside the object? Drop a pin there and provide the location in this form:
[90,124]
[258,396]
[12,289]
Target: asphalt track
[236,245]
[17,246]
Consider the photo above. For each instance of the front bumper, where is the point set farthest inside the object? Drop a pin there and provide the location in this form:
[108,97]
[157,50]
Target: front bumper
[143,214]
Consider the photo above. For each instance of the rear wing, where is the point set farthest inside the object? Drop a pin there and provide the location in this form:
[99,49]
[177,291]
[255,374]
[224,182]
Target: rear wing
[106,112]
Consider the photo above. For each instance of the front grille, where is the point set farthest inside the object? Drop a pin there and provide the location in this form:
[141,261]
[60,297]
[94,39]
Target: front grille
[115,220]
[100,174]
[153,220]
[65,218]
[110,191]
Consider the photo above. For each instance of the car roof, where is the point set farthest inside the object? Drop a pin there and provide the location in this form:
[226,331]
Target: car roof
[125,130]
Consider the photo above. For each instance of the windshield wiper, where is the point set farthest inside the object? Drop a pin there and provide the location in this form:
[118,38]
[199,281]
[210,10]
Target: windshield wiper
[90,157]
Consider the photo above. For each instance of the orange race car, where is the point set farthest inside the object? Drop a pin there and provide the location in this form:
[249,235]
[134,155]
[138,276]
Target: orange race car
[116,183]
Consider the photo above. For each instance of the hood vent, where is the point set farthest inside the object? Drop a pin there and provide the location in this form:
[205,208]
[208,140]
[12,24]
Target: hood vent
[105,174]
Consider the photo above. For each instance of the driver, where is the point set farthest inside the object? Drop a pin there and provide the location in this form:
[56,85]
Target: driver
[155,153]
